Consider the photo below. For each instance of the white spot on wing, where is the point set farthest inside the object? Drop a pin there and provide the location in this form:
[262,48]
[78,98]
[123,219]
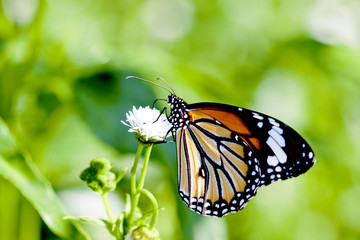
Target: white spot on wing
[257,116]
[278,129]
[272,161]
[279,152]
[278,138]
[273,122]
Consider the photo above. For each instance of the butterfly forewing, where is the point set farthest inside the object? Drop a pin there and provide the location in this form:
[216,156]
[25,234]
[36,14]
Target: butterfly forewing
[281,151]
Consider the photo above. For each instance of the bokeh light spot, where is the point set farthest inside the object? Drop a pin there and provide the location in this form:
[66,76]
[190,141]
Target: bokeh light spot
[168,20]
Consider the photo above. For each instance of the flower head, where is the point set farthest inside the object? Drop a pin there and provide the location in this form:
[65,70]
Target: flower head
[147,123]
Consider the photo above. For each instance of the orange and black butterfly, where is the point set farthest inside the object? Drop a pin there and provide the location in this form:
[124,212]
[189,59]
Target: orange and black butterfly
[225,153]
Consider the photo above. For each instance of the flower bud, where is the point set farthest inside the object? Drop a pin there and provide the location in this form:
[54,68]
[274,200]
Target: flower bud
[98,176]
[144,233]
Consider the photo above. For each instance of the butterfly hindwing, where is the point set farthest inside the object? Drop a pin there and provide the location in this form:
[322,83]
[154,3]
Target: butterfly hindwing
[217,173]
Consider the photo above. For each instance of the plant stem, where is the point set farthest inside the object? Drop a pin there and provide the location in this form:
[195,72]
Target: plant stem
[143,171]
[155,206]
[133,191]
[108,208]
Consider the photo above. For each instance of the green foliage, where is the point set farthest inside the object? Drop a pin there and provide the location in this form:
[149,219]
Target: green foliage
[18,169]
[63,94]
[100,179]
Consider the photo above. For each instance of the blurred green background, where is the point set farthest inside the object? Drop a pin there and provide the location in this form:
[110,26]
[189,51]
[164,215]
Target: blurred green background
[63,94]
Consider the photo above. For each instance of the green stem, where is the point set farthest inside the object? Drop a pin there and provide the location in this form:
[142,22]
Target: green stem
[143,170]
[108,208]
[155,206]
[133,191]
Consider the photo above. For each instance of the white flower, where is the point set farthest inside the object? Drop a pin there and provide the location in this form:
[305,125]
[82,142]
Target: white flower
[147,123]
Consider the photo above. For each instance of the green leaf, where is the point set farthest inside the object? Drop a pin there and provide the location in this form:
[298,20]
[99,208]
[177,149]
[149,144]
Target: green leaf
[114,228]
[120,176]
[16,167]
[99,222]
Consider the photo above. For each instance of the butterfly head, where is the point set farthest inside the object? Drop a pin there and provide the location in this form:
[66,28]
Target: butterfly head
[178,115]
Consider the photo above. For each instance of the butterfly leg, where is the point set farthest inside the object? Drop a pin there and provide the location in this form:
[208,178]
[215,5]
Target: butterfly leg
[158,142]
[166,135]
[162,111]
[149,142]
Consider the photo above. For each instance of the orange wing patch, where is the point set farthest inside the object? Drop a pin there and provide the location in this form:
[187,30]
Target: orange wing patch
[230,120]
[195,115]
[255,142]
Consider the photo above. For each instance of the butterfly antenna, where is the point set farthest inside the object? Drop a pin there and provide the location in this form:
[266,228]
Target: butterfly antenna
[128,77]
[159,78]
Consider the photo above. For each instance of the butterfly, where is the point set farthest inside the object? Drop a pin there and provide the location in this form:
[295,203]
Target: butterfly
[225,153]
